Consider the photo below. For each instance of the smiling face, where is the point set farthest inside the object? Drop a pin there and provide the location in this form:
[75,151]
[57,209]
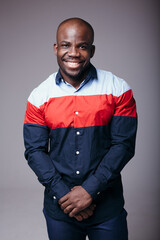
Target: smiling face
[74,50]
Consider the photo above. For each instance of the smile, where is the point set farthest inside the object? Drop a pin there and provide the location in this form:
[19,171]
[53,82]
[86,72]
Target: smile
[72,64]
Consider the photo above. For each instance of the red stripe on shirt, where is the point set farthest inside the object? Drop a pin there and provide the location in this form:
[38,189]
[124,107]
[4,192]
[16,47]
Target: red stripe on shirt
[125,105]
[34,114]
[81,111]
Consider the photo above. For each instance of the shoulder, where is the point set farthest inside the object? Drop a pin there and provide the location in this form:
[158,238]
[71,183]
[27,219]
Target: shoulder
[42,93]
[111,83]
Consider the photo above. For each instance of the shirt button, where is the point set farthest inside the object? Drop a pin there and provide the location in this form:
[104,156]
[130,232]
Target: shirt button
[77,152]
[76,113]
[78,133]
[77,172]
[54,197]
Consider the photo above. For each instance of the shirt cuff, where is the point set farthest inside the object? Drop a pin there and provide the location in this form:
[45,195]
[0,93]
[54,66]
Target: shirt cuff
[59,190]
[93,186]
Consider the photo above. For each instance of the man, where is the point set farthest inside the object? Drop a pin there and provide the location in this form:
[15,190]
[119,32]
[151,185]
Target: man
[79,133]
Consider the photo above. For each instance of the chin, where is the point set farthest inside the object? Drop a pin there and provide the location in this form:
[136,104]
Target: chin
[74,74]
[77,74]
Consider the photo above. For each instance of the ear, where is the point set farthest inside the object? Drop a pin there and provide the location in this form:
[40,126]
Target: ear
[92,51]
[55,47]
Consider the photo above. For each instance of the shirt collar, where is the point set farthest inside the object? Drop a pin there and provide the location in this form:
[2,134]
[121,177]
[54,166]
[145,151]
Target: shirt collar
[91,75]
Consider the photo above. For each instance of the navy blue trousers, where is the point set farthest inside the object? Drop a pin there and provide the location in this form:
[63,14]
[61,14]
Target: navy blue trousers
[113,229]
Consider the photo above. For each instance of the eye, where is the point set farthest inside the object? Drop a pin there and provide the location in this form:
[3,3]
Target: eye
[64,45]
[83,47]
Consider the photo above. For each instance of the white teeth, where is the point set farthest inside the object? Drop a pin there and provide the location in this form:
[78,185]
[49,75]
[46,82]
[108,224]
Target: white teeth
[72,64]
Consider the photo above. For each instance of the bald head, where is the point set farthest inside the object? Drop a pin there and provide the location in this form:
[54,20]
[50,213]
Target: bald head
[76,22]
[74,49]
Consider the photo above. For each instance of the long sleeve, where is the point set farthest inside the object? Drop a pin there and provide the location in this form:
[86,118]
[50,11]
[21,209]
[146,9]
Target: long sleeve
[123,129]
[36,139]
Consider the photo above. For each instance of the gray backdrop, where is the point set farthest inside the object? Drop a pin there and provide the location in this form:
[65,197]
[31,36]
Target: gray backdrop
[127,43]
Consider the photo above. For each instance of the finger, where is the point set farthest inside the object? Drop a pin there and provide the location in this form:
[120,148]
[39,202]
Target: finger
[78,217]
[68,209]
[84,214]
[65,204]
[63,199]
[74,212]
[88,212]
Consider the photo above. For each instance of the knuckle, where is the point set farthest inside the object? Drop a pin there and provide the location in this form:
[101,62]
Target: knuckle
[71,214]
[67,209]
[62,207]
[78,205]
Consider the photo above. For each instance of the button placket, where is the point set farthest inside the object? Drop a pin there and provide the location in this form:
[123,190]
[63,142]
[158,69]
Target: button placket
[77,135]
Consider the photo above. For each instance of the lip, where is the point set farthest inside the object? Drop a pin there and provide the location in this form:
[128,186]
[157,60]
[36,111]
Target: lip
[72,64]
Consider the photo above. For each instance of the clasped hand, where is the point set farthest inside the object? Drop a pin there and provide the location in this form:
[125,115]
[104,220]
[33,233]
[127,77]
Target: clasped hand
[77,203]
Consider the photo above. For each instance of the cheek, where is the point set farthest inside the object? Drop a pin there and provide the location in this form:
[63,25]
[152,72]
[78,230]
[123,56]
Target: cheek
[59,58]
[87,56]
[61,54]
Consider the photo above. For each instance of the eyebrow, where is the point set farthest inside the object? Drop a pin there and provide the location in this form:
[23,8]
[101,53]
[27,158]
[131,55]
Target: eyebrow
[64,42]
[86,43]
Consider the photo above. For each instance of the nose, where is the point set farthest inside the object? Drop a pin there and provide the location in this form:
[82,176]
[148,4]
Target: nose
[73,52]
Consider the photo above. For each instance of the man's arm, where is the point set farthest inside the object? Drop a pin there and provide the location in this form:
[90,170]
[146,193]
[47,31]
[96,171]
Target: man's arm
[123,133]
[36,138]
[123,130]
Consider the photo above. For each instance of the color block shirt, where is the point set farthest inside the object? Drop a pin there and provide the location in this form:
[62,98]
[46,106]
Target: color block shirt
[81,136]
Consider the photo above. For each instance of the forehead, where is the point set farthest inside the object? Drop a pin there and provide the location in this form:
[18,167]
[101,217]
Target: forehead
[74,32]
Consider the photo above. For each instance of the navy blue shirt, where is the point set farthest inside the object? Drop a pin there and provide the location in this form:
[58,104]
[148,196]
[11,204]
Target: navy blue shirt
[81,136]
